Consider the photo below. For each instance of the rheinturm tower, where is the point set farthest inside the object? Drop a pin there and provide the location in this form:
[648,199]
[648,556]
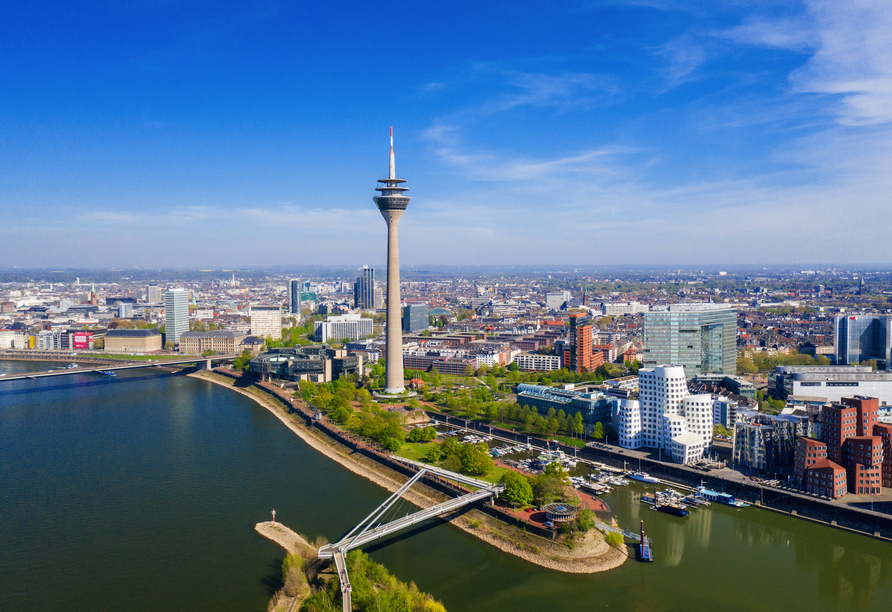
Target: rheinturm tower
[393,203]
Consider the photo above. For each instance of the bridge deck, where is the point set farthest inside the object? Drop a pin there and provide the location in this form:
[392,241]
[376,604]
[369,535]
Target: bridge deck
[112,368]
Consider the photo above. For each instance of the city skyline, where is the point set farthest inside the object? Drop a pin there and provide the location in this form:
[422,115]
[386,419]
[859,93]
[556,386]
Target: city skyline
[680,133]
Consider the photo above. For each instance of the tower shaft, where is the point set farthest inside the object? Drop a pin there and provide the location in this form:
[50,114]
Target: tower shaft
[394,351]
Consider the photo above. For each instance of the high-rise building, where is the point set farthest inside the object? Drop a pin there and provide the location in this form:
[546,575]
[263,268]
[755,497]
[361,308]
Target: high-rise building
[393,203]
[863,337]
[294,291]
[364,289]
[153,294]
[665,416]
[176,314]
[351,326]
[266,321]
[700,337]
[577,354]
[416,317]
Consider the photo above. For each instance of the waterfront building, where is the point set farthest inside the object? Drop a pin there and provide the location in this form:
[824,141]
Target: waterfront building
[392,203]
[266,321]
[294,296]
[724,412]
[593,405]
[221,342]
[133,340]
[831,383]
[862,337]
[700,337]
[176,314]
[319,364]
[666,416]
[766,443]
[533,362]
[351,326]
[416,318]
[826,479]
[364,290]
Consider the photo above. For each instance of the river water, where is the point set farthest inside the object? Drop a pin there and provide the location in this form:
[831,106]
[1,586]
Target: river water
[140,492]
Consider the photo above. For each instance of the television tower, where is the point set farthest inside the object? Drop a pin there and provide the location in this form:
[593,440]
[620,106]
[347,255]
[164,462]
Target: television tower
[392,204]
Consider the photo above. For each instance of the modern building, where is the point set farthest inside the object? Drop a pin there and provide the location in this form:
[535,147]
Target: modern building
[133,340]
[860,338]
[665,416]
[392,203]
[831,383]
[364,289]
[556,301]
[294,296]
[416,318]
[176,314]
[154,294]
[533,362]
[266,321]
[319,364]
[351,326]
[618,309]
[593,405]
[767,443]
[221,342]
[125,310]
[577,353]
[700,337]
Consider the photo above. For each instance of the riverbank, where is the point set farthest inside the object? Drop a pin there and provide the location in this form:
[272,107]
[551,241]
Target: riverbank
[590,554]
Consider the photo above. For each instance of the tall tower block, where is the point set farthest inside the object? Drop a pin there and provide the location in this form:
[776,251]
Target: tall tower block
[392,204]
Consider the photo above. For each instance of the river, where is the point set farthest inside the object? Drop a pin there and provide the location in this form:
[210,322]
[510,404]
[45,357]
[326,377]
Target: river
[140,492]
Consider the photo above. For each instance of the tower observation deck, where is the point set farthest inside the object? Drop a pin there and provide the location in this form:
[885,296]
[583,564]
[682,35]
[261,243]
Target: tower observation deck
[393,203]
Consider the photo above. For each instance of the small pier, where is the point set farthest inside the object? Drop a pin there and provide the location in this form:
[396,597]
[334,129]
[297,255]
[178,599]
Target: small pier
[645,550]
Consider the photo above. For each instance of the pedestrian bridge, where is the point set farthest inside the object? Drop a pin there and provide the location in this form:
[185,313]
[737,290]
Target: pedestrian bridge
[374,527]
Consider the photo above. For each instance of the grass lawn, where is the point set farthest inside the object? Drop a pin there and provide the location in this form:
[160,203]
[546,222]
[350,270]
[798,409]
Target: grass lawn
[415,450]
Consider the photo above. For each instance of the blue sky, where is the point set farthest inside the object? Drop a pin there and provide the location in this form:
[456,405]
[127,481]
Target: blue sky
[213,134]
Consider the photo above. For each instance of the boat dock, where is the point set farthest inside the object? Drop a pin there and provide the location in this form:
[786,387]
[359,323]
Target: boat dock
[645,550]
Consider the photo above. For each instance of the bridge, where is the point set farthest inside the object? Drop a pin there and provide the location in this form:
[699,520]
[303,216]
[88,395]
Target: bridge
[197,359]
[372,527]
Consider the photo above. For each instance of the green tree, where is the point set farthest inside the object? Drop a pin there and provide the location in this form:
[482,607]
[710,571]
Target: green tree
[475,461]
[598,433]
[518,489]
[433,454]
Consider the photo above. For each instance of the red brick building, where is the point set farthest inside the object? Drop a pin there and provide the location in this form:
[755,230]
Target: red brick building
[864,456]
[884,432]
[827,479]
[808,452]
[578,356]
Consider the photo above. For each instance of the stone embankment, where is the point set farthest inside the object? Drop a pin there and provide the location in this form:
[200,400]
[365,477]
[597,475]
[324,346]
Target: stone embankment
[287,539]
[589,556]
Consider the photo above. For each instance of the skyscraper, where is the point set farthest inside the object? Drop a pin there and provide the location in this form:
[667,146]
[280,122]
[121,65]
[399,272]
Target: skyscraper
[153,294]
[176,314]
[392,204]
[577,354]
[862,337]
[700,337]
[294,291]
[364,289]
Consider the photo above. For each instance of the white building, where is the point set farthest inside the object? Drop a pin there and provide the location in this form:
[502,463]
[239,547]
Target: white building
[665,416]
[618,309]
[531,362]
[10,339]
[266,321]
[351,326]
[554,301]
[832,383]
[176,314]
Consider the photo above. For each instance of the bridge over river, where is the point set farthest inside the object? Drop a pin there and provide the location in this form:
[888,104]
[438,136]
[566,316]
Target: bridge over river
[207,362]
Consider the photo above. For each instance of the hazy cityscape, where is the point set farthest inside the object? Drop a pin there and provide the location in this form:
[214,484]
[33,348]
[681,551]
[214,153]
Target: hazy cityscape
[631,354]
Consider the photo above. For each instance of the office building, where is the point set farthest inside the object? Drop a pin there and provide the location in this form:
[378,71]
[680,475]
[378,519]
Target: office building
[556,301]
[861,338]
[266,321]
[830,383]
[352,326]
[416,318]
[533,362]
[594,406]
[666,417]
[176,314]
[618,309]
[700,337]
[364,289]
[577,351]
[125,310]
[221,342]
[133,340]
[319,364]
[392,203]
[154,295]
[294,296]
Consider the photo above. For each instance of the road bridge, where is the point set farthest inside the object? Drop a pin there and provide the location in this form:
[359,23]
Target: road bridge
[373,527]
[198,359]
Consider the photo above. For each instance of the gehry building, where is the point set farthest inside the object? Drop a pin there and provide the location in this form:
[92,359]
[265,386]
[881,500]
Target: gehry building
[666,416]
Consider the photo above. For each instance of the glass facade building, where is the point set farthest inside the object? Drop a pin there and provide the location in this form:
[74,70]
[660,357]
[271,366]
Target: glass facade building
[861,338]
[364,289]
[416,317]
[294,292]
[700,337]
[176,314]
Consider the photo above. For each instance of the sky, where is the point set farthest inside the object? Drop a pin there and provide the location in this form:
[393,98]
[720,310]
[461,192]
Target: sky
[217,134]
